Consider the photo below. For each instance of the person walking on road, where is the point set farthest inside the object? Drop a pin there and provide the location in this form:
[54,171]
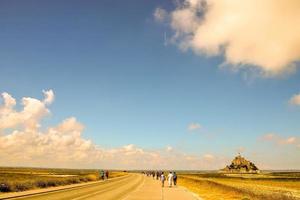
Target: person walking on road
[174,178]
[102,174]
[170,179]
[106,174]
[162,179]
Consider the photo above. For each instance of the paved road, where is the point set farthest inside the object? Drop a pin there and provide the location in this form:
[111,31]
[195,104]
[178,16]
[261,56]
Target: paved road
[152,190]
[131,187]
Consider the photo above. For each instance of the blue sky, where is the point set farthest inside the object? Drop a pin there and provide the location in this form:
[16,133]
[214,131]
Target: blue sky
[108,66]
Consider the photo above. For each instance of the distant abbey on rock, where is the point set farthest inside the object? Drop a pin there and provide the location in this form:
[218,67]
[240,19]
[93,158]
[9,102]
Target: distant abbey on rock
[240,165]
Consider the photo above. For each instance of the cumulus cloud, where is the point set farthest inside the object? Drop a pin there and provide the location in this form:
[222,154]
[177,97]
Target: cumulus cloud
[29,118]
[295,100]
[160,14]
[279,140]
[24,142]
[194,127]
[262,35]
[49,96]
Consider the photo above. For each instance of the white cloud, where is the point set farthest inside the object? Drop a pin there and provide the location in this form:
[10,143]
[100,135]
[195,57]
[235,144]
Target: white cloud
[160,14]
[295,100]
[49,96]
[279,140]
[269,136]
[23,142]
[9,101]
[169,148]
[291,140]
[29,118]
[209,157]
[194,127]
[264,35]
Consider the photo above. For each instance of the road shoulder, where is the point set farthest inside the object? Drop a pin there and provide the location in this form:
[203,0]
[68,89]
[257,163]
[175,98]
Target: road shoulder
[11,195]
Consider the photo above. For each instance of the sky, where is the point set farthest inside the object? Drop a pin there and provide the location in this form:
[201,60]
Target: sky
[149,84]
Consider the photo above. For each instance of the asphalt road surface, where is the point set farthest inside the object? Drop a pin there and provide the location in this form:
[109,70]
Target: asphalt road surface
[130,187]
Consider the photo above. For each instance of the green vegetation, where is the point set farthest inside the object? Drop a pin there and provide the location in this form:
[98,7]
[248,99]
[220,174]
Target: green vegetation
[268,185]
[21,179]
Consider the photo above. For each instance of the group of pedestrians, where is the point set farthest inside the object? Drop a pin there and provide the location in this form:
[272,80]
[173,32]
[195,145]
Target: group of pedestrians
[160,175]
[104,174]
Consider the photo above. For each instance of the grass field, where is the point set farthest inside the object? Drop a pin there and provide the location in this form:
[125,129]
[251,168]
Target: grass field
[267,185]
[21,179]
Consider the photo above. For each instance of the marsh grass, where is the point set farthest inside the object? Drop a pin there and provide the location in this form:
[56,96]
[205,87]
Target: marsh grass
[21,179]
[220,186]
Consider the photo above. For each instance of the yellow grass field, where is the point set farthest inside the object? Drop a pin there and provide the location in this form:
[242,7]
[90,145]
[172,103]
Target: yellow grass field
[267,186]
[21,179]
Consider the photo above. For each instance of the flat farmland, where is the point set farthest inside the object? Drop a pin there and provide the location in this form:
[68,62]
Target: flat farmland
[266,185]
[21,179]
